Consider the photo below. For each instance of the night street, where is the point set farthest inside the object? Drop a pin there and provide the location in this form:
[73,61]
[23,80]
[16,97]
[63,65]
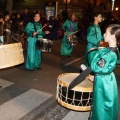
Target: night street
[31,95]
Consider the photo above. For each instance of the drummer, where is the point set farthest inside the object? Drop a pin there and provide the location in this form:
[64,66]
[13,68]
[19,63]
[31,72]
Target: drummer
[102,63]
[94,35]
[33,60]
[68,27]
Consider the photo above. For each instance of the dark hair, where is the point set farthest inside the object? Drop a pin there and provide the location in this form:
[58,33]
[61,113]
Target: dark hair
[93,15]
[36,13]
[96,14]
[115,29]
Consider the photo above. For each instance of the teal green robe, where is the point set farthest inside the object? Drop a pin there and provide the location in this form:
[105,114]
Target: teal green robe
[94,36]
[118,56]
[105,91]
[66,48]
[33,59]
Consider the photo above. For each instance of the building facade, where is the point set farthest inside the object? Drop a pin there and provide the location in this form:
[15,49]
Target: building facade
[74,6]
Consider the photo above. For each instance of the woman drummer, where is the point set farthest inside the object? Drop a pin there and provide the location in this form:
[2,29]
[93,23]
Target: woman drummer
[68,27]
[33,60]
[103,62]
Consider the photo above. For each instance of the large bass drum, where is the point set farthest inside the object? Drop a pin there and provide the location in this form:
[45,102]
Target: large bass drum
[11,55]
[79,98]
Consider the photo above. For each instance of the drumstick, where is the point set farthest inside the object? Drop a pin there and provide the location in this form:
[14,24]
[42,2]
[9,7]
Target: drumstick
[79,78]
[41,28]
[13,38]
[72,33]
[83,67]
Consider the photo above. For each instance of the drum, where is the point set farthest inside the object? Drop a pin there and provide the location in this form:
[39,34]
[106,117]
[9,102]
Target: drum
[79,98]
[12,54]
[72,39]
[44,44]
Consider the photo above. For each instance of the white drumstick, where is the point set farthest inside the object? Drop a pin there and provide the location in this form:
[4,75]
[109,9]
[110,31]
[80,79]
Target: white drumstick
[41,28]
[83,67]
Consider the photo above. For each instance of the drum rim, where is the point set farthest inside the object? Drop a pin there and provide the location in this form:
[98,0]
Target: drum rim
[73,107]
[45,40]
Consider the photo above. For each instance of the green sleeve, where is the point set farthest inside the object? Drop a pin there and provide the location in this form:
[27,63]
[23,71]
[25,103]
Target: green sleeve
[102,61]
[29,29]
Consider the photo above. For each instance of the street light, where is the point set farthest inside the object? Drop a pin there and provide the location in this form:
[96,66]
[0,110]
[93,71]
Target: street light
[116,8]
[66,2]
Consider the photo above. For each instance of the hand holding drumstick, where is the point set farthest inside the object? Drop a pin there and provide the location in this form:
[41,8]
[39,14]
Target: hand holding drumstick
[46,32]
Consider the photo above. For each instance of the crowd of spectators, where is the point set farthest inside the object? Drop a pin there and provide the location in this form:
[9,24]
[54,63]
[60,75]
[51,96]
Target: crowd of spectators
[12,26]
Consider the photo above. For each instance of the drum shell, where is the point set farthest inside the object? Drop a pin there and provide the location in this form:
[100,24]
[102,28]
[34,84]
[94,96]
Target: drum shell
[79,98]
[72,39]
[12,54]
[44,44]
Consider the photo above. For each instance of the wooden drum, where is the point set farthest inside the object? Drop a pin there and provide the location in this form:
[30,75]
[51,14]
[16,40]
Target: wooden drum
[11,55]
[79,98]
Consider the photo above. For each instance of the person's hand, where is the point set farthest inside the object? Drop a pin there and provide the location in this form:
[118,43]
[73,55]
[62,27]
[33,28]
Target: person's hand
[91,78]
[47,32]
[34,33]
[100,43]
[22,34]
[65,33]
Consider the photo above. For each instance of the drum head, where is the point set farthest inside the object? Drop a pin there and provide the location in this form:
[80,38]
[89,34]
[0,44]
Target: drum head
[67,78]
[44,40]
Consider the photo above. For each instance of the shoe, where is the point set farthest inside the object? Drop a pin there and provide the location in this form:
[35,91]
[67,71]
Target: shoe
[0,87]
[37,68]
[29,70]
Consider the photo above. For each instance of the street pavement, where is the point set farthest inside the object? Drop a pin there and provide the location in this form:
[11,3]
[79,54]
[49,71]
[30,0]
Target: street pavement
[27,95]
[20,103]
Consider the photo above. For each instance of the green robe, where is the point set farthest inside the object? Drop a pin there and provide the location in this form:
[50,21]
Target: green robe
[66,48]
[33,59]
[94,36]
[118,56]
[105,91]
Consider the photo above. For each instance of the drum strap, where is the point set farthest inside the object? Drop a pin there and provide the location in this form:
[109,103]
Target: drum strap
[71,26]
[80,78]
[95,31]
[35,29]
